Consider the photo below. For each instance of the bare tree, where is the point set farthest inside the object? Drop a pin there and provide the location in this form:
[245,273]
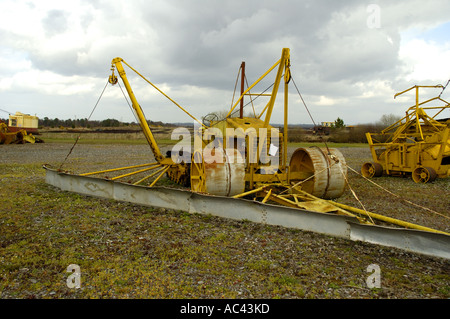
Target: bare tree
[388,119]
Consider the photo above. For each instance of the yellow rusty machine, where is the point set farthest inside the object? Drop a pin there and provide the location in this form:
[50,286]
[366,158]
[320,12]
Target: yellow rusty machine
[416,145]
[237,155]
[20,136]
[235,166]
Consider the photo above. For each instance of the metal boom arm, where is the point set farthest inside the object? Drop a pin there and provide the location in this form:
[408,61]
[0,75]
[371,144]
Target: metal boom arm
[117,63]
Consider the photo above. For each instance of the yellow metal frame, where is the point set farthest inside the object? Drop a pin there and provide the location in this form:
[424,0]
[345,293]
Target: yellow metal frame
[416,144]
[263,186]
[117,63]
[283,72]
[176,171]
[255,171]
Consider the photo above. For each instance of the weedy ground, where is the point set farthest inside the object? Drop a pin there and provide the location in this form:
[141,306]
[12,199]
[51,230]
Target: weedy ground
[130,251]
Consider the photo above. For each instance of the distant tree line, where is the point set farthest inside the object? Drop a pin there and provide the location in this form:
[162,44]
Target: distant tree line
[85,123]
[342,133]
[339,132]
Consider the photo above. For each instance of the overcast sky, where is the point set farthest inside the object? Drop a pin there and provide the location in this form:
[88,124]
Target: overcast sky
[348,58]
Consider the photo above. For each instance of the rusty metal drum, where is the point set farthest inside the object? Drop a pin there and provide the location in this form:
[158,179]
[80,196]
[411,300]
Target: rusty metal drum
[221,172]
[320,172]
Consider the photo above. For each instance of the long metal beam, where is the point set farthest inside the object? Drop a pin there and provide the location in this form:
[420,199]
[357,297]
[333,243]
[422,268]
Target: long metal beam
[417,241]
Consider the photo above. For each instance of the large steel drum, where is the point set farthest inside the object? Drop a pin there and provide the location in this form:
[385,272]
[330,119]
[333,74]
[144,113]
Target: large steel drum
[320,172]
[218,172]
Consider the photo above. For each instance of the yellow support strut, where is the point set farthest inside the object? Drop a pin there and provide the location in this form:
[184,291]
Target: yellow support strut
[117,62]
[387,219]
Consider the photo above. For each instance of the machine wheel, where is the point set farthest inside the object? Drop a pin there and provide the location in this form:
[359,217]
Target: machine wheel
[424,175]
[198,173]
[218,172]
[323,177]
[370,170]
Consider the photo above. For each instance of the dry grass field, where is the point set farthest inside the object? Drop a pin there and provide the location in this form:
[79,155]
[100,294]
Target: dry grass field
[129,251]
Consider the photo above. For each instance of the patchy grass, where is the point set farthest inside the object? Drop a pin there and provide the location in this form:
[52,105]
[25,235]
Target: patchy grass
[129,251]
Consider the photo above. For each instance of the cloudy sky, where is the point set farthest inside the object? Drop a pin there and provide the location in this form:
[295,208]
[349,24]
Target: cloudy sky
[348,58]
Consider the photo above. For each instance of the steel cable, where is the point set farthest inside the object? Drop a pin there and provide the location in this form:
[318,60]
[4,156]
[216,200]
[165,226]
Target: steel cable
[78,137]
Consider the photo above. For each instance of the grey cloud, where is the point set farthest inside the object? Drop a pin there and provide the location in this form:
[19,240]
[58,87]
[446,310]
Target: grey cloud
[55,22]
[202,43]
[216,37]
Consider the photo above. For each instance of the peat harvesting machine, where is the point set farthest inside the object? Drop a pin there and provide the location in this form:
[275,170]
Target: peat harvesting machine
[237,167]
[244,155]
[418,145]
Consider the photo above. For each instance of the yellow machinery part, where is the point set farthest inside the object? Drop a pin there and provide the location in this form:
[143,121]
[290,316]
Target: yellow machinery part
[370,170]
[227,176]
[416,145]
[424,174]
[18,137]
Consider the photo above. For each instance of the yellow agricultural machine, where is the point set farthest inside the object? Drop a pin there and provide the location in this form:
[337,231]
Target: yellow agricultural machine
[235,155]
[20,136]
[416,145]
